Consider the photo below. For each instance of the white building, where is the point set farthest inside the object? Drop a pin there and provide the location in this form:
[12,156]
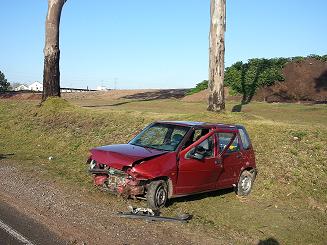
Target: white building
[21,87]
[102,88]
[36,86]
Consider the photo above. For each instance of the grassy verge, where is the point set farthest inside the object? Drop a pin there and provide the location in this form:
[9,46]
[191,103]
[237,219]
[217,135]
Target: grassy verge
[289,201]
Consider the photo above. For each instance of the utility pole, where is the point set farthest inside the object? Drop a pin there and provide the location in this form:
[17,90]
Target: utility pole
[115,83]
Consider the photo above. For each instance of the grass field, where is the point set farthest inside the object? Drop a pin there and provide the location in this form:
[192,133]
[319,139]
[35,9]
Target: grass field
[289,199]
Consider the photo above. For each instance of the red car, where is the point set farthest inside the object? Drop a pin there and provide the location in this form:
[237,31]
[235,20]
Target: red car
[172,159]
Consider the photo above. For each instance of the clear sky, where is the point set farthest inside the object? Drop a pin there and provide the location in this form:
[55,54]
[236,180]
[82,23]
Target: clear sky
[153,43]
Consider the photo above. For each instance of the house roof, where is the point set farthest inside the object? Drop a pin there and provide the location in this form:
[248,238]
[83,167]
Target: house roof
[22,85]
[37,83]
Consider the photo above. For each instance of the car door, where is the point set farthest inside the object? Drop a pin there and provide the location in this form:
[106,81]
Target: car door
[198,175]
[231,158]
[247,149]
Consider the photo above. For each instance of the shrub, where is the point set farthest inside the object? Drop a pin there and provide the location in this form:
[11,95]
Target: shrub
[199,87]
[245,78]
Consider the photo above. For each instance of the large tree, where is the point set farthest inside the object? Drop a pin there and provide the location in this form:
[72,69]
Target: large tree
[216,101]
[51,72]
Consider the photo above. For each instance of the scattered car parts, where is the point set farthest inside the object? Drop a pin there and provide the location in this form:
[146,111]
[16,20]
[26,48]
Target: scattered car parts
[151,215]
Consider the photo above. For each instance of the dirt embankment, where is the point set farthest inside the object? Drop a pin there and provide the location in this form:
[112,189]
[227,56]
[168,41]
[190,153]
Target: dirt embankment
[21,95]
[304,81]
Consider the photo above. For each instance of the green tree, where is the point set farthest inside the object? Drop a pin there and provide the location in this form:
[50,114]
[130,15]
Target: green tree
[245,78]
[4,84]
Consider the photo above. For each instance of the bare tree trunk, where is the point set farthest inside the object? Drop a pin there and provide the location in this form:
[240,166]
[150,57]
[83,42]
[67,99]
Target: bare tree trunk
[216,100]
[51,72]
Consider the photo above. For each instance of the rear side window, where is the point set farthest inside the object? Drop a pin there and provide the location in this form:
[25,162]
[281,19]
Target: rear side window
[245,138]
[225,139]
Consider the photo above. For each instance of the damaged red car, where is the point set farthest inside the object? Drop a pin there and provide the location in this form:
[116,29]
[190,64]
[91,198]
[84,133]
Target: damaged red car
[172,158]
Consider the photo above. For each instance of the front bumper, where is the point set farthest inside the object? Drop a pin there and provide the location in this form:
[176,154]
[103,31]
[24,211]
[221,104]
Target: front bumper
[118,182]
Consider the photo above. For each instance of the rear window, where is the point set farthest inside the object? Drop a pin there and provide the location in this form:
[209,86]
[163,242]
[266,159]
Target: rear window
[244,138]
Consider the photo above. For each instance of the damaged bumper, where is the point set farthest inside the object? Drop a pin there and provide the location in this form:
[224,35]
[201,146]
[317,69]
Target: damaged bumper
[118,182]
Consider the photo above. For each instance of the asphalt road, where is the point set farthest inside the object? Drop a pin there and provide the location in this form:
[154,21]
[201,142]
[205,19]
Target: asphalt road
[16,228]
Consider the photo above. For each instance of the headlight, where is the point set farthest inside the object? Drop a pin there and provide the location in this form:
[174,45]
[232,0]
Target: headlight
[93,163]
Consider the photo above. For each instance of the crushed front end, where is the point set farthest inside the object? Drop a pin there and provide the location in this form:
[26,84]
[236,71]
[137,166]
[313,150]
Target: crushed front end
[117,181]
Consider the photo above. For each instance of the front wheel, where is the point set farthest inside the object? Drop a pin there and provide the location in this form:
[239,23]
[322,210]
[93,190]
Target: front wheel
[245,183]
[157,194]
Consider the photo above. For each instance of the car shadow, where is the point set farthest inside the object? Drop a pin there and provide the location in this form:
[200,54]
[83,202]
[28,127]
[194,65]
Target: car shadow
[200,196]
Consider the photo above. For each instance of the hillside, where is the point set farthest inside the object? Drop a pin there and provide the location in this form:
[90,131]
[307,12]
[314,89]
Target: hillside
[305,80]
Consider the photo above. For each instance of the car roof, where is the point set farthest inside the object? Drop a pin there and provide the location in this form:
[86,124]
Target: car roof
[200,124]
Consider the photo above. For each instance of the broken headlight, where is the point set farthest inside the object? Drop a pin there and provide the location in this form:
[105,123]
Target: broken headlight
[93,163]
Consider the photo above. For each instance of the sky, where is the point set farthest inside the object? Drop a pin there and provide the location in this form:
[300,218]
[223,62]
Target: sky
[153,44]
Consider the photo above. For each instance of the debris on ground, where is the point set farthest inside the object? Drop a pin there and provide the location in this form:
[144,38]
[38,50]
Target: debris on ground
[152,215]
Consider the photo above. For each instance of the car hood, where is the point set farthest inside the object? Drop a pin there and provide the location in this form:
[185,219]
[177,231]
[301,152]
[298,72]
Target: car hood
[119,156]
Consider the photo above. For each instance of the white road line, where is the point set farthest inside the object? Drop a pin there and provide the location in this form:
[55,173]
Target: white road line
[14,233]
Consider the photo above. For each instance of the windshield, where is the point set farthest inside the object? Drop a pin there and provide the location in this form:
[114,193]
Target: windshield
[161,136]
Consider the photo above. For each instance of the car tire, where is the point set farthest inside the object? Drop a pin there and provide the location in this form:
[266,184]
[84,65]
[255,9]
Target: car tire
[157,194]
[245,183]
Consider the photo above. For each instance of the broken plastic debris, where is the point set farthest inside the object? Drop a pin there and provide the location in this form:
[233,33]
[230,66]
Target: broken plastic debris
[152,215]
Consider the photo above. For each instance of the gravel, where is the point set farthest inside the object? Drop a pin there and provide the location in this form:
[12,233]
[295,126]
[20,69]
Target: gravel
[82,217]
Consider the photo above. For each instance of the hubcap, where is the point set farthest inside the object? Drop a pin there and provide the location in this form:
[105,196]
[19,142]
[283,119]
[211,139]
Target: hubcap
[246,183]
[161,196]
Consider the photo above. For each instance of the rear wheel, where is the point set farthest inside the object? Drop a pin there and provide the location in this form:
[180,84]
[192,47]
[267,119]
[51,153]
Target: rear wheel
[245,183]
[157,194]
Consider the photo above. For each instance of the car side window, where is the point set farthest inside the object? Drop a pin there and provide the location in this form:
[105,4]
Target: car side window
[206,148]
[244,138]
[235,146]
[225,139]
[196,135]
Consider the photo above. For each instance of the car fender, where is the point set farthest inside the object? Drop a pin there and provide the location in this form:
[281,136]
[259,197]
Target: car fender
[161,166]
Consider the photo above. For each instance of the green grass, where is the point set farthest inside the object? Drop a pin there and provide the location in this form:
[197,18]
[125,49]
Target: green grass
[289,200]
